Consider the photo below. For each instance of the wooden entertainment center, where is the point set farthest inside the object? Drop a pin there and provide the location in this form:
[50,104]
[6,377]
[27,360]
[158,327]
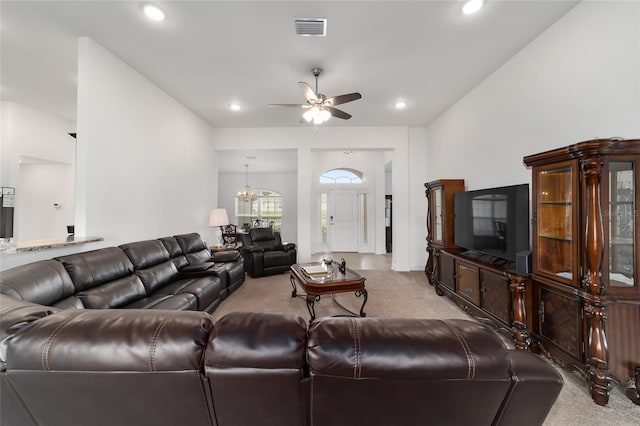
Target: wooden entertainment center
[580,306]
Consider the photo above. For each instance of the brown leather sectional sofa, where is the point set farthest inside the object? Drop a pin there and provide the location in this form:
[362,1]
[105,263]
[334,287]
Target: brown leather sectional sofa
[158,367]
[173,365]
[178,273]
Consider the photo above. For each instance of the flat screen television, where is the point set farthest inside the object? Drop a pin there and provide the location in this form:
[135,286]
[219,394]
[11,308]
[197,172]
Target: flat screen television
[493,221]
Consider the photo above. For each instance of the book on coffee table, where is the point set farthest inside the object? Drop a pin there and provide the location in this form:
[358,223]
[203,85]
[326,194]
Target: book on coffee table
[315,270]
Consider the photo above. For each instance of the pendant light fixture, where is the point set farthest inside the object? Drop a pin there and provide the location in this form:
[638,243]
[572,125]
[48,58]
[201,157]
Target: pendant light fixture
[246,194]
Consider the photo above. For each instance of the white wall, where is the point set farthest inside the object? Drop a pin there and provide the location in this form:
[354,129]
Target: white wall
[38,159]
[417,198]
[145,164]
[284,183]
[578,80]
[46,202]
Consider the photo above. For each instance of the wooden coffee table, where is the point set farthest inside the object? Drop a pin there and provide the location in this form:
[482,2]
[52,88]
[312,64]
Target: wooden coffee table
[327,284]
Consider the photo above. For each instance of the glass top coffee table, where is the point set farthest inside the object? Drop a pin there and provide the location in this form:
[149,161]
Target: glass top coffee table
[318,279]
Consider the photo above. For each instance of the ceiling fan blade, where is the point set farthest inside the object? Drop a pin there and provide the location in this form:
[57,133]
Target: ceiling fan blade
[338,113]
[343,99]
[290,105]
[308,92]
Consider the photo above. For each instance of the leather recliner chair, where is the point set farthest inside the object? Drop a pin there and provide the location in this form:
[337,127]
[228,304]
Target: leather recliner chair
[265,254]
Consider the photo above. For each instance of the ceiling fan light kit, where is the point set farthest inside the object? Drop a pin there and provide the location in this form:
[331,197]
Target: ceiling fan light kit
[318,107]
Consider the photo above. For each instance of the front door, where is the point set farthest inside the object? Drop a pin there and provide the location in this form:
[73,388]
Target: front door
[343,220]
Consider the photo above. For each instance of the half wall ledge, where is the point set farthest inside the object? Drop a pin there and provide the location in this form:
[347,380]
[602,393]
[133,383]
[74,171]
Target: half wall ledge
[36,245]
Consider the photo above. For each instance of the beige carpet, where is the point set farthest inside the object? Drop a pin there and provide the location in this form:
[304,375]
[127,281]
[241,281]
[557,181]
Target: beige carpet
[407,294]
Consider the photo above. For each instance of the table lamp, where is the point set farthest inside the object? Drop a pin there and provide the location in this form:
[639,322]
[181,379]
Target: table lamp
[219,218]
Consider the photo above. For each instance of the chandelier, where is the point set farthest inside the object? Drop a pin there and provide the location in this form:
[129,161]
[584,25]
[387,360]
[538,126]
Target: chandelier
[246,194]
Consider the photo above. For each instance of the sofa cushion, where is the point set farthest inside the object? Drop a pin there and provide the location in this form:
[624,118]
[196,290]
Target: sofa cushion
[206,290]
[96,267]
[260,356]
[116,340]
[175,251]
[172,246]
[424,349]
[114,294]
[261,234]
[194,249]
[190,242]
[406,369]
[152,263]
[144,254]
[45,282]
[177,302]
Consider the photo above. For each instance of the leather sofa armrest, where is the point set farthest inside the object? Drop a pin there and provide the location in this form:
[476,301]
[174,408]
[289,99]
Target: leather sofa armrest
[534,389]
[289,246]
[252,249]
[113,340]
[15,315]
[226,256]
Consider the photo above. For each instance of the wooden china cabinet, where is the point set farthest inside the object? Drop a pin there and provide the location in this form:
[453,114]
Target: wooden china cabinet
[439,195]
[585,291]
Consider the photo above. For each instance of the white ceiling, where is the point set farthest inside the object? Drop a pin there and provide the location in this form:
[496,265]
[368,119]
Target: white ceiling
[208,54]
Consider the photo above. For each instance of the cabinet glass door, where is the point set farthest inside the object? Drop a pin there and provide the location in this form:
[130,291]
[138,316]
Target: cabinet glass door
[621,215]
[437,215]
[554,225]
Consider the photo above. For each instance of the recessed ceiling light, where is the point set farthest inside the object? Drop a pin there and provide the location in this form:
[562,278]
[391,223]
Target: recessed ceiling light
[401,105]
[234,107]
[472,6]
[153,12]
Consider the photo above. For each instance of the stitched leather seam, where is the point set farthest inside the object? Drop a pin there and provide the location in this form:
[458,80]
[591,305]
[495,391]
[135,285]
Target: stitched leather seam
[46,350]
[471,367]
[355,335]
[154,343]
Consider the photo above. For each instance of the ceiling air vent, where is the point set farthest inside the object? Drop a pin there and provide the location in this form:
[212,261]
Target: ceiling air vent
[311,26]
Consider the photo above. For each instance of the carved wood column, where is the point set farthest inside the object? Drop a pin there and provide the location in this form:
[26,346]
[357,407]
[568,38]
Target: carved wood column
[428,268]
[521,336]
[595,311]
[597,352]
[594,238]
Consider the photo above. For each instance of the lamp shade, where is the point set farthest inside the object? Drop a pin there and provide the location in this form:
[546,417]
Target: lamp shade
[218,217]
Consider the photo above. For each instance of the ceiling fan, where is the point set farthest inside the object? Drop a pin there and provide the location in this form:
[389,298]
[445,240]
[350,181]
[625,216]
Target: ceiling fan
[319,108]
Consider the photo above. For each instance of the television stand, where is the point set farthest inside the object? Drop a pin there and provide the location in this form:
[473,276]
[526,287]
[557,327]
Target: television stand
[489,290]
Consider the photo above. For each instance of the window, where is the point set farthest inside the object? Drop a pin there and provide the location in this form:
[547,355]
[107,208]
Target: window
[265,210]
[323,217]
[342,176]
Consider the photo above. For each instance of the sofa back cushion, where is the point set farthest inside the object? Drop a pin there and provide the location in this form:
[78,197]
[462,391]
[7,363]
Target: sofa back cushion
[123,367]
[195,250]
[114,294]
[93,268]
[265,238]
[45,282]
[175,251]
[360,361]
[151,263]
[253,354]
[103,278]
